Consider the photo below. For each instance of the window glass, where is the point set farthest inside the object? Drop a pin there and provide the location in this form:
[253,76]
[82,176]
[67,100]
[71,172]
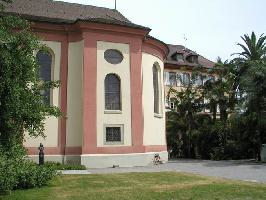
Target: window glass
[167,100]
[179,57]
[44,60]
[206,105]
[185,79]
[166,78]
[172,103]
[113,134]
[199,80]
[113,56]
[211,78]
[156,88]
[112,92]
[193,59]
[172,79]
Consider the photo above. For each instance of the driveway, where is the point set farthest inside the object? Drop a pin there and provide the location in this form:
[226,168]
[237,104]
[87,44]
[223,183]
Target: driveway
[238,170]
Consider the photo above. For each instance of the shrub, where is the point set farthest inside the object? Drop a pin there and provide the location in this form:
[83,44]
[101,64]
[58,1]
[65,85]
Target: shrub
[30,175]
[17,172]
[44,175]
[7,176]
[217,153]
[60,166]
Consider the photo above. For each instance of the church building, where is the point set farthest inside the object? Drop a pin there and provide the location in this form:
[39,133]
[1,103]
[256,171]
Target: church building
[111,85]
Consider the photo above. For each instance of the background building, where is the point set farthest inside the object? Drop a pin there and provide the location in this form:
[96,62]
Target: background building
[178,68]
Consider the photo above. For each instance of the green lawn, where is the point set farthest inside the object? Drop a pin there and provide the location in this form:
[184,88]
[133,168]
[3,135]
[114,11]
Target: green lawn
[141,186]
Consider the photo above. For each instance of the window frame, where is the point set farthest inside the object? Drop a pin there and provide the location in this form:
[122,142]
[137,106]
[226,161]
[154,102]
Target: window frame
[172,105]
[113,111]
[109,60]
[121,126]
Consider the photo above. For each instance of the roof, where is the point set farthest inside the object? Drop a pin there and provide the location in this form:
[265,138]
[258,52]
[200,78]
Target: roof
[63,12]
[179,49]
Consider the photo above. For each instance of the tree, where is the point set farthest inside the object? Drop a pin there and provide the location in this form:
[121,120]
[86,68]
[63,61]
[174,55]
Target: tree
[21,103]
[182,121]
[221,89]
[253,49]
[220,93]
[252,81]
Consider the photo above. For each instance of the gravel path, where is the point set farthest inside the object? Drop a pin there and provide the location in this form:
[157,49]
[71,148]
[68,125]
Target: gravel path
[238,170]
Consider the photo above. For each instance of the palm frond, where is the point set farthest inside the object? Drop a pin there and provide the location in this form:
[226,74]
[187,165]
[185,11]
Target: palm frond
[246,50]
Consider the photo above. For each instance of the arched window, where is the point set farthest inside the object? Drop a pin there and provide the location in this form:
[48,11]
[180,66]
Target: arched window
[112,92]
[156,89]
[44,60]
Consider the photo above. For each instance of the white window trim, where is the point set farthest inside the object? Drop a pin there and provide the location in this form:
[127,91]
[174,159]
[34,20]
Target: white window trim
[113,112]
[172,105]
[121,126]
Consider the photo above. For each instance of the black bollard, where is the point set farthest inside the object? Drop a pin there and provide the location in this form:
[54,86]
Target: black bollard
[41,154]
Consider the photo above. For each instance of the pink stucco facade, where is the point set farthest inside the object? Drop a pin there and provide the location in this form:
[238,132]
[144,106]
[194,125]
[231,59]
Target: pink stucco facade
[90,33]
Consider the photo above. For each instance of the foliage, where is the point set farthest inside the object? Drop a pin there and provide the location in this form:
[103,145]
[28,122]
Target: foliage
[252,82]
[30,175]
[17,172]
[3,3]
[8,179]
[60,166]
[253,49]
[236,125]
[22,107]
[220,91]
[188,102]
[21,100]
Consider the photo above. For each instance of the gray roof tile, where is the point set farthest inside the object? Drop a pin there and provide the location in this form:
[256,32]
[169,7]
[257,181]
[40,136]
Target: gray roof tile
[63,12]
[186,52]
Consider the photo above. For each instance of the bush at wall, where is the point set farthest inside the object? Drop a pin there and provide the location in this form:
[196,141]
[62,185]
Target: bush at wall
[60,166]
[30,175]
[7,176]
[17,172]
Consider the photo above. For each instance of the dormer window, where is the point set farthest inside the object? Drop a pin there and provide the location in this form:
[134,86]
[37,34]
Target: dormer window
[178,57]
[193,59]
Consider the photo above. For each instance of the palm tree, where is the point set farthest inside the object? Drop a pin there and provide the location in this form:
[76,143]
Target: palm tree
[251,72]
[253,49]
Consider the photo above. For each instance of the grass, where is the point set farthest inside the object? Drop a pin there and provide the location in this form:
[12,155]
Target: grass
[142,186]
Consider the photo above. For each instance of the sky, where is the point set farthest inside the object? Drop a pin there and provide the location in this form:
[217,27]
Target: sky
[212,28]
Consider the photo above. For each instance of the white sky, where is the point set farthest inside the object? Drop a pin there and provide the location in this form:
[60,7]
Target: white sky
[212,27]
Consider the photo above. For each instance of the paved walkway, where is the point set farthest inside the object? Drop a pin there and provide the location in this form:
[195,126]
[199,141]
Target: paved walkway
[238,170]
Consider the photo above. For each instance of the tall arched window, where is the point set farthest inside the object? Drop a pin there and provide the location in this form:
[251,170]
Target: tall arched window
[45,59]
[156,89]
[112,92]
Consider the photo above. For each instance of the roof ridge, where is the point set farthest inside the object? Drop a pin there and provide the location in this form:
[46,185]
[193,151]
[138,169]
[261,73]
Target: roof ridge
[80,4]
[186,52]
